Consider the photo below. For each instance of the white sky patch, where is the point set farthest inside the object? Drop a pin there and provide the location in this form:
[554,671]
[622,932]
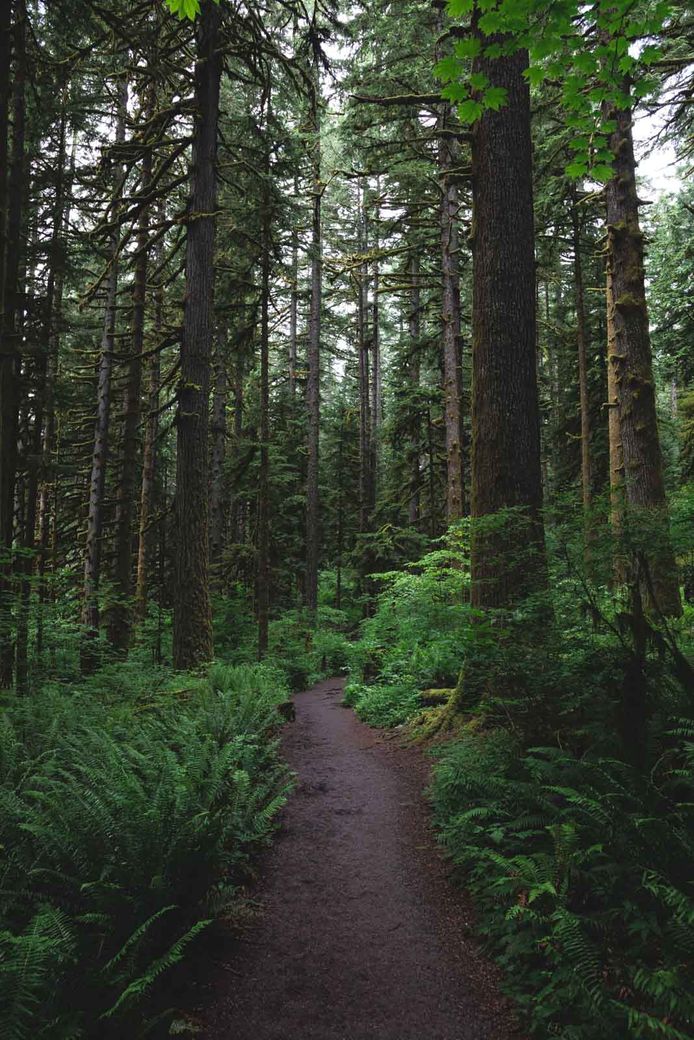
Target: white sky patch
[657,166]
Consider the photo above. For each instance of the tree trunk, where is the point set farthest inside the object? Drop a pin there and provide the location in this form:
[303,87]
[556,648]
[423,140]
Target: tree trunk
[584,397]
[192,636]
[263,574]
[451,324]
[218,432]
[365,426]
[615,441]
[508,560]
[376,376]
[294,308]
[413,373]
[10,343]
[633,369]
[92,556]
[120,614]
[313,384]
[149,450]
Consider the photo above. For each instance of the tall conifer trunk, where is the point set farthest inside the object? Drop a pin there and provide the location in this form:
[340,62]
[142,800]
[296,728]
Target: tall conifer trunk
[508,563]
[97,481]
[10,341]
[452,390]
[413,374]
[192,642]
[120,614]
[314,336]
[644,486]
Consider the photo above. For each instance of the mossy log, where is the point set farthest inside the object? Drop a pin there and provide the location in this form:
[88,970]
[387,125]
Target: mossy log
[435,698]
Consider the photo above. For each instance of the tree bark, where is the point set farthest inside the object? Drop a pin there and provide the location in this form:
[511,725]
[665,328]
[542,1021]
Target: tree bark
[314,337]
[583,390]
[10,340]
[414,374]
[192,636]
[508,560]
[263,573]
[452,390]
[149,450]
[97,482]
[218,432]
[121,612]
[633,369]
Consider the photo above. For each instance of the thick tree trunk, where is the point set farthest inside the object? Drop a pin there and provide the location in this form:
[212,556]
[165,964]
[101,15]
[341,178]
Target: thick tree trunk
[633,369]
[192,642]
[10,341]
[616,454]
[97,481]
[413,374]
[121,612]
[508,560]
[451,325]
[313,384]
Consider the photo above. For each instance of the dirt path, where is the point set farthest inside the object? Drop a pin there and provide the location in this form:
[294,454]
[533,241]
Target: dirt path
[361,937]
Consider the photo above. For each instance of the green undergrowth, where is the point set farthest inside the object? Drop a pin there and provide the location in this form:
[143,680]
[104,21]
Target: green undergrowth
[420,628]
[564,794]
[302,649]
[131,807]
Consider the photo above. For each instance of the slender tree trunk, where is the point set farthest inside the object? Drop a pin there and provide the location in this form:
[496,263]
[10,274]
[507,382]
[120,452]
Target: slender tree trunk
[451,324]
[633,368]
[294,308]
[97,481]
[413,373]
[120,614]
[314,337]
[507,563]
[56,277]
[365,425]
[10,343]
[584,396]
[376,376]
[192,643]
[218,432]
[263,574]
[149,450]
[616,454]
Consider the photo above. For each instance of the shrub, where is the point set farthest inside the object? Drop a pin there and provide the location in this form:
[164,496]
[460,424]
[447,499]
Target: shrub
[126,820]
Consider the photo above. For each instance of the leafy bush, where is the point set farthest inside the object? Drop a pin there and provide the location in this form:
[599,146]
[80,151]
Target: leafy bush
[581,870]
[126,820]
[418,635]
[383,705]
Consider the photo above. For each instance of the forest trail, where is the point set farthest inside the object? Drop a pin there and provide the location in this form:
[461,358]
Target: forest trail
[360,936]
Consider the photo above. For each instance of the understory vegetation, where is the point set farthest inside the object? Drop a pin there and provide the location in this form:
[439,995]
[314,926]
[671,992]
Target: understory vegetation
[130,809]
[563,786]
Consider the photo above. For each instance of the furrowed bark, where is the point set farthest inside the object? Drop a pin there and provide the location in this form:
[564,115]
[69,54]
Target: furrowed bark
[192,636]
[644,485]
[508,559]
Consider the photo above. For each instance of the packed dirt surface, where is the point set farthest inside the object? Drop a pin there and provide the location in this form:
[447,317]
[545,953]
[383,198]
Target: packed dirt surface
[360,936]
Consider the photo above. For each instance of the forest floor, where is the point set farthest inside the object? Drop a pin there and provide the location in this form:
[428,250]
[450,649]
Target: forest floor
[359,933]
